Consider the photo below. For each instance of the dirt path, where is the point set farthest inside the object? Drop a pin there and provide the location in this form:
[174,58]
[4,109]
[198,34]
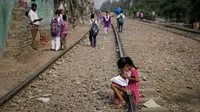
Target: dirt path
[78,82]
[13,72]
[171,61]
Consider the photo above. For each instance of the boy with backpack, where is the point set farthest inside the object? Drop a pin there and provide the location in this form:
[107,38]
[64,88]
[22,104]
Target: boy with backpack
[93,31]
[56,24]
[120,21]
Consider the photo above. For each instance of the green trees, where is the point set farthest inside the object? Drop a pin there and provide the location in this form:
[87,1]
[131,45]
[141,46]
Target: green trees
[176,10]
[179,10]
[147,6]
[195,11]
[76,10]
[106,6]
[109,6]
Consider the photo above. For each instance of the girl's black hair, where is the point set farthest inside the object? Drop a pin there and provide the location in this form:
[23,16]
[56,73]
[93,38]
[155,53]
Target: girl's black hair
[64,17]
[26,13]
[122,62]
[57,12]
[92,16]
[33,5]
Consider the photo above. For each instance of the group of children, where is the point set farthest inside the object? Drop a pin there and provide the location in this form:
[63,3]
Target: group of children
[104,20]
[58,25]
[94,26]
[59,28]
[129,75]
[59,31]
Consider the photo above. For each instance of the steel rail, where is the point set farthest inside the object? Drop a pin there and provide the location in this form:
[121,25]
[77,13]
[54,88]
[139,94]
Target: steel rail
[132,104]
[173,26]
[119,46]
[191,31]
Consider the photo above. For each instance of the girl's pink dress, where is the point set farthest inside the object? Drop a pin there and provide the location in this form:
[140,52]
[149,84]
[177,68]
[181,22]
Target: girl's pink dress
[133,85]
[64,29]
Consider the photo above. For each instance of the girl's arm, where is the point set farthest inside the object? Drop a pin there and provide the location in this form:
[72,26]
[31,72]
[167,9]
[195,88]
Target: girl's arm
[97,22]
[67,26]
[136,78]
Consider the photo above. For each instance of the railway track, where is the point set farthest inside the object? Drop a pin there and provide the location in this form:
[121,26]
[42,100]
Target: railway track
[131,107]
[190,33]
[27,81]
[44,68]
[41,71]
[145,85]
[151,93]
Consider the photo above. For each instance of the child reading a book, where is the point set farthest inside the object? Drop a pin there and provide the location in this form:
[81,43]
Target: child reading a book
[128,79]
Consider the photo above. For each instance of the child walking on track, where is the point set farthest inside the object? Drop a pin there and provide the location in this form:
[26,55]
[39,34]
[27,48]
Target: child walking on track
[107,22]
[56,24]
[120,21]
[93,31]
[99,16]
[128,79]
[64,32]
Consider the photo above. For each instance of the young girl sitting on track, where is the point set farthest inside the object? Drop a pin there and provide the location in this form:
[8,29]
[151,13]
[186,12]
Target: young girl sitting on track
[131,79]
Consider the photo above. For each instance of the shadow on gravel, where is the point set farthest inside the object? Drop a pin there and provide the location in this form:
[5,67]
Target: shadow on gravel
[187,95]
[107,97]
[85,45]
[101,34]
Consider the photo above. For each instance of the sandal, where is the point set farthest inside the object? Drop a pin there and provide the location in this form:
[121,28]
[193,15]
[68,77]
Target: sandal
[121,104]
[116,101]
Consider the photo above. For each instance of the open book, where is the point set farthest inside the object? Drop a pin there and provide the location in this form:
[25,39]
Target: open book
[120,80]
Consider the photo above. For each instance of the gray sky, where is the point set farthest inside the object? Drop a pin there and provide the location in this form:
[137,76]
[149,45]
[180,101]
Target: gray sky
[98,3]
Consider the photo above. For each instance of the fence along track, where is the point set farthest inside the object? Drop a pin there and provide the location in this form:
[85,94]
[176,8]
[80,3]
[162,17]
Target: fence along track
[20,86]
